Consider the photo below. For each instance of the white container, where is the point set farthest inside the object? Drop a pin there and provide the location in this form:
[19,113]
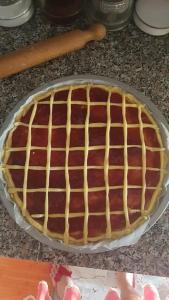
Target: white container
[152,16]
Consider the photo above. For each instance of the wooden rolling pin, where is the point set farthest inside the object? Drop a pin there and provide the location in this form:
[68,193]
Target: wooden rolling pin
[42,51]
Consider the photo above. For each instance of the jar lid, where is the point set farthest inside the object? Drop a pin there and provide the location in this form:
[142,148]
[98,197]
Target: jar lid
[13,9]
[152,16]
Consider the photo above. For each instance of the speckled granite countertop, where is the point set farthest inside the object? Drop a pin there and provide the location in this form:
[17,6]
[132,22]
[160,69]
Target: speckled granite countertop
[130,56]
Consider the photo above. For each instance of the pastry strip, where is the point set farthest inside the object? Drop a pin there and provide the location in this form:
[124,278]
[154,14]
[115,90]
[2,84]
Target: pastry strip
[28,150]
[82,214]
[91,125]
[77,190]
[86,151]
[143,161]
[68,131]
[45,225]
[18,167]
[106,168]
[91,148]
[93,103]
[125,186]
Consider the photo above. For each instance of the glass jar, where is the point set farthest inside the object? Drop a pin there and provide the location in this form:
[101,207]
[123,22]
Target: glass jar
[114,14]
[61,11]
[15,12]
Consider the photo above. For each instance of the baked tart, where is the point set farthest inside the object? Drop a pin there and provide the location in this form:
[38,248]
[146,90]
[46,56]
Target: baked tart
[84,163]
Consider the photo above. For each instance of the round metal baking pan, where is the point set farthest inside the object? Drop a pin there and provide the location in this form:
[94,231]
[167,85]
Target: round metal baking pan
[102,246]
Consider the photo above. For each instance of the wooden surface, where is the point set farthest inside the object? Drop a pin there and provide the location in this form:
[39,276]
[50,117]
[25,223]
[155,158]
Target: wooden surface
[19,278]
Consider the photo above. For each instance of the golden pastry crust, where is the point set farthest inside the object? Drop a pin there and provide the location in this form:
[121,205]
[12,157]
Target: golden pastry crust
[125,117]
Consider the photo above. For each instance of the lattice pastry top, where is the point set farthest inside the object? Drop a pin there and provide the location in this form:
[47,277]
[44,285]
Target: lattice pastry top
[84,163]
